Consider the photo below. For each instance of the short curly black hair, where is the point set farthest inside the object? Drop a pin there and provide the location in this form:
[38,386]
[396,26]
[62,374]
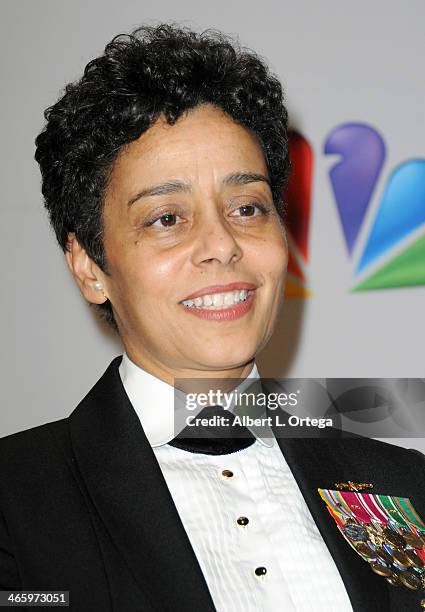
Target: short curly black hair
[163,69]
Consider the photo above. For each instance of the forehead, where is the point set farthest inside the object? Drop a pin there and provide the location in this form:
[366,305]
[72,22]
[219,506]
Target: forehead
[204,140]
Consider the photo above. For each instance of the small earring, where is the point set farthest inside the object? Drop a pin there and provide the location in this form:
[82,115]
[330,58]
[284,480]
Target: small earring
[98,285]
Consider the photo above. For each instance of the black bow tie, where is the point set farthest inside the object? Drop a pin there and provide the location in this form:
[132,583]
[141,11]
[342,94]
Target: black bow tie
[214,438]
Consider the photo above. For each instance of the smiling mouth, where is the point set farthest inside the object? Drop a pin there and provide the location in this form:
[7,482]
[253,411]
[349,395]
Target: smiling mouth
[218,301]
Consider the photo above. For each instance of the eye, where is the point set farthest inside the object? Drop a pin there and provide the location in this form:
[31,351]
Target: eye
[248,210]
[165,220]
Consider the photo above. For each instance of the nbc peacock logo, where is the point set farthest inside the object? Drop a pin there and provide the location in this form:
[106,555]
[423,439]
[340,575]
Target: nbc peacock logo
[391,227]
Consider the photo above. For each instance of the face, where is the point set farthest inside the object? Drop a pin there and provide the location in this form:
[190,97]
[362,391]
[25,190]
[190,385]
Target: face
[189,208]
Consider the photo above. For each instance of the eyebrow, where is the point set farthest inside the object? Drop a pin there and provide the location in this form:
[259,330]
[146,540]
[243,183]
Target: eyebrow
[177,186]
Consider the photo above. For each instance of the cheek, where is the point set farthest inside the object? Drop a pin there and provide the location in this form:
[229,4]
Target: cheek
[271,256]
[151,277]
[280,247]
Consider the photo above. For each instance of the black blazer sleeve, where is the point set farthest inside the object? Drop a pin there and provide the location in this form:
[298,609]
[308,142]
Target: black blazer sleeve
[9,577]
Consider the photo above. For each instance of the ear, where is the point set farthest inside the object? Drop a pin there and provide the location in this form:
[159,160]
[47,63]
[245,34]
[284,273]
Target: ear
[85,271]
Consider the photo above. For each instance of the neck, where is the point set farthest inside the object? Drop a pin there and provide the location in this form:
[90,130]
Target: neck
[170,374]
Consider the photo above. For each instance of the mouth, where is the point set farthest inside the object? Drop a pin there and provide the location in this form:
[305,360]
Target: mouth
[218,301]
[224,305]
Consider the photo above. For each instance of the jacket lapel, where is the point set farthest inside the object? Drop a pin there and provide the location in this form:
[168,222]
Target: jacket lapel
[127,488]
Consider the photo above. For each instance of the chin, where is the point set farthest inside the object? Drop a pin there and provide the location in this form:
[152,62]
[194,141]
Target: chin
[226,357]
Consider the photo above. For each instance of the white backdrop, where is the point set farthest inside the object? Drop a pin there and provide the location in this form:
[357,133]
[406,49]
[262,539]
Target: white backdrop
[338,61]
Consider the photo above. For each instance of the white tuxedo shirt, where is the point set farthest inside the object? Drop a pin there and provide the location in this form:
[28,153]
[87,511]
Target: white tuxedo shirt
[280,537]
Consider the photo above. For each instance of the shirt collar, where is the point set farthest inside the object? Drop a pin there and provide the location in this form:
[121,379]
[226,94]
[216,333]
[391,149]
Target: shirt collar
[153,401]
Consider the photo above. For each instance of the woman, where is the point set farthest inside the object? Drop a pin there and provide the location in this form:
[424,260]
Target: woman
[163,169]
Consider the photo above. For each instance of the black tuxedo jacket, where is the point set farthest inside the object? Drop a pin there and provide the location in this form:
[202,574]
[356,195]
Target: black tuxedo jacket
[84,507]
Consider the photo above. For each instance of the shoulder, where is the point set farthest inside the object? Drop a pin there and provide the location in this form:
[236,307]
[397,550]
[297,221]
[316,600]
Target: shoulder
[387,462]
[360,455]
[34,435]
[418,454]
[37,474]
[36,449]
[33,450]
[381,448]
[370,448]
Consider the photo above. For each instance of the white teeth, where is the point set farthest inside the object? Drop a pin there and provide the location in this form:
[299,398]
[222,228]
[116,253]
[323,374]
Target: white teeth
[217,301]
[228,299]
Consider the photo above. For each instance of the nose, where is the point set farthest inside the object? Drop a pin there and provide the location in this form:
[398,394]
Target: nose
[215,242]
